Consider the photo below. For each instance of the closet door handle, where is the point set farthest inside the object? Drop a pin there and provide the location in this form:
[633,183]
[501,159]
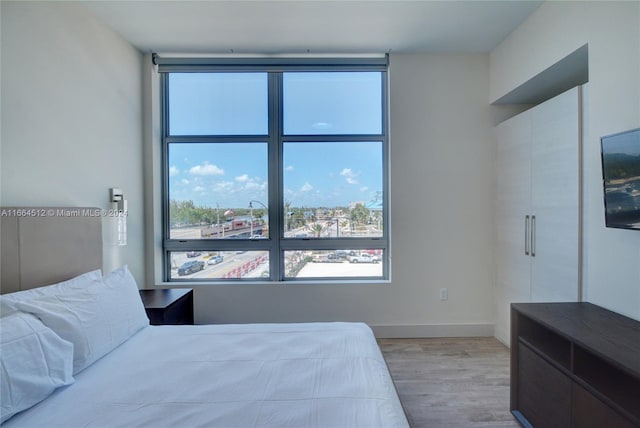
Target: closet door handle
[526,235]
[533,236]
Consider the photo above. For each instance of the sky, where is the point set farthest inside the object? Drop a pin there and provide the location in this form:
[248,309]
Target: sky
[319,174]
[626,142]
[315,174]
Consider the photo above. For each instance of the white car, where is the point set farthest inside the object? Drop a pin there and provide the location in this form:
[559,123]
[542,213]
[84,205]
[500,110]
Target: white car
[363,258]
[215,260]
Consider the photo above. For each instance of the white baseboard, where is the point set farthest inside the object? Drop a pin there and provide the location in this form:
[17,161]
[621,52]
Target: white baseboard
[433,330]
[502,336]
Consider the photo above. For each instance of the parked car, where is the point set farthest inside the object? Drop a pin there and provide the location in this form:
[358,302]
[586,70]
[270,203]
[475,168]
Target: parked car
[337,255]
[193,253]
[363,258]
[215,260]
[190,267]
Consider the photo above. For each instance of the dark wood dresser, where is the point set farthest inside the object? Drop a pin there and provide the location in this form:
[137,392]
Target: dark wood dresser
[168,306]
[574,365]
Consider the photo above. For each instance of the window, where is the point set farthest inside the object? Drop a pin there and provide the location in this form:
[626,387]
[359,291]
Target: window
[275,172]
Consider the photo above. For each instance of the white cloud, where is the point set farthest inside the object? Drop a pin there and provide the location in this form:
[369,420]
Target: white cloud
[184,181]
[289,168]
[364,188]
[306,187]
[224,186]
[347,172]
[199,189]
[321,125]
[349,175]
[173,171]
[242,178]
[206,169]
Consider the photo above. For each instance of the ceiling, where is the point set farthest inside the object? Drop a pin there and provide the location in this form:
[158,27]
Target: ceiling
[317,27]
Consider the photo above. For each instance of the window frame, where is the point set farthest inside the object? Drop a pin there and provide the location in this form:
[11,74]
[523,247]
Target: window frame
[276,245]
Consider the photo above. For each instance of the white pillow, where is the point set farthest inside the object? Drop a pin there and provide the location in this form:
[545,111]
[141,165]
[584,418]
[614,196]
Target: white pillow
[35,361]
[8,301]
[96,318]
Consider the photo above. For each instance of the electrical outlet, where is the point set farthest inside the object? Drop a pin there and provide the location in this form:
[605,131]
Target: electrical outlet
[444,294]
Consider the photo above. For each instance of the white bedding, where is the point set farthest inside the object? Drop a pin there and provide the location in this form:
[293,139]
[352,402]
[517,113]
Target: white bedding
[255,375]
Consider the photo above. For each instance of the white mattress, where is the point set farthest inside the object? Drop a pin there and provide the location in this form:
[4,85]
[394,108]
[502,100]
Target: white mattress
[255,375]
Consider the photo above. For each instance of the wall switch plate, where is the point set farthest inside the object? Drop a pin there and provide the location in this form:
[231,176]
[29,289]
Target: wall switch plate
[444,294]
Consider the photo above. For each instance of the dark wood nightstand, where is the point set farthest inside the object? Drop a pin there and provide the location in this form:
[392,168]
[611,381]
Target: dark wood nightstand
[168,306]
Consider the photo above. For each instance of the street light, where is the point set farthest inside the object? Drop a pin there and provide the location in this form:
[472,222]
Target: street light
[251,213]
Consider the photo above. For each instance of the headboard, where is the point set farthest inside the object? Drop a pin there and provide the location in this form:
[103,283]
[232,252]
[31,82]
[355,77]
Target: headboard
[45,245]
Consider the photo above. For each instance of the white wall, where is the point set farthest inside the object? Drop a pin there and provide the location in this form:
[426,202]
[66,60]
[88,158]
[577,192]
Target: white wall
[71,116]
[441,163]
[612,30]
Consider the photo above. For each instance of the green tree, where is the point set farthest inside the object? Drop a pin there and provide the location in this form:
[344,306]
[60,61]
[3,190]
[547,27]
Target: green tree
[359,214]
[317,229]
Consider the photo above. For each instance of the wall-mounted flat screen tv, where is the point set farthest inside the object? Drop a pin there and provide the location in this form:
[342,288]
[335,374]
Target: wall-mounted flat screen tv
[621,178]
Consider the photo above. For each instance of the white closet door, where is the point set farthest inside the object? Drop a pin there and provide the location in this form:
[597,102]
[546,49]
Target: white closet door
[538,174]
[513,203]
[555,197]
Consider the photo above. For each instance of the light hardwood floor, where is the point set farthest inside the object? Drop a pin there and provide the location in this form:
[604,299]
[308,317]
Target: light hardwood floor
[451,382]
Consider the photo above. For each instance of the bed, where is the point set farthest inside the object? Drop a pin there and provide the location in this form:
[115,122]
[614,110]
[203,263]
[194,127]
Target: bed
[81,353]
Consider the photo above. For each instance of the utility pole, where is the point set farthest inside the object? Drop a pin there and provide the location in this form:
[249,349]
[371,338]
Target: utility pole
[218,218]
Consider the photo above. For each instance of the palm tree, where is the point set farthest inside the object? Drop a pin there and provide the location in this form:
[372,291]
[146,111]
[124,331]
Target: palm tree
[317,229]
